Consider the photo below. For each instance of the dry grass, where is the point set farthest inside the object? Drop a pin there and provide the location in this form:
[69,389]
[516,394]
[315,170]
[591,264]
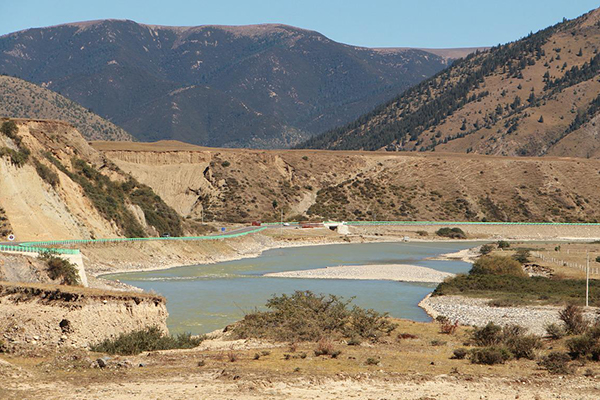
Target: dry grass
[80,292]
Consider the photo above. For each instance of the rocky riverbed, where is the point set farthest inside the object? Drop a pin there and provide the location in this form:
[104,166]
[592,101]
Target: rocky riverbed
[477,312]
[392,272]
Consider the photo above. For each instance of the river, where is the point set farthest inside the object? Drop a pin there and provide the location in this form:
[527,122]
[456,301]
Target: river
[203,298]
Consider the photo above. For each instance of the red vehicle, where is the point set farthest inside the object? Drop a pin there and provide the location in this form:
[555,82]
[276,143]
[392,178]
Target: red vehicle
[256,223]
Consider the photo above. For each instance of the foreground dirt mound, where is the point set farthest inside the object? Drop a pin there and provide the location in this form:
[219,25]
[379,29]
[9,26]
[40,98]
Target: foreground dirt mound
[51,316]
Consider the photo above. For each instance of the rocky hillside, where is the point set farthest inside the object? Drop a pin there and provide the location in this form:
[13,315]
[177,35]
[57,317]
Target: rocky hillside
[257,86]
[246,185]
[22,99]
[537,96]
[55,186]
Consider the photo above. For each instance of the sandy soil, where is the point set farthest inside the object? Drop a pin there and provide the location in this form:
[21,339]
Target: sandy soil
[394,272]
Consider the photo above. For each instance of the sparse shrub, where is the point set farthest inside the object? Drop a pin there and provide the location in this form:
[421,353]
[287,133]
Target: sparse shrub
[265,353]
[572,316]
[503,244]
[232,356]
[201,363]
[589,373]
[437,342]
[522,256]
[490,355]
[489,335]
[523,346]
[497,265]
[225,164]
[584,346]
[404,335]
[10,129]
[305,316]
[354,341]
[325,348]
[556,363]
[149,339]
[372,361]
[59,268]
[446,326]
[486,249]
[459,354]
[305,158]
[555,331]
[422,233]
[368,324]
[257,356]
[453,233]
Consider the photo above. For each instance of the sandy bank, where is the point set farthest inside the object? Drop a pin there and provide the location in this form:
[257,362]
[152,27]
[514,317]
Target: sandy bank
[391,272]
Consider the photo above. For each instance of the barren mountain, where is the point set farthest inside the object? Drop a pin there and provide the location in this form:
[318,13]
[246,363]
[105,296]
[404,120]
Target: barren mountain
[22,99]
[536,96]
[258,86]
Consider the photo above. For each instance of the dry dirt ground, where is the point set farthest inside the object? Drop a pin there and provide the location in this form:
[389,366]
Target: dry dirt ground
[218,369]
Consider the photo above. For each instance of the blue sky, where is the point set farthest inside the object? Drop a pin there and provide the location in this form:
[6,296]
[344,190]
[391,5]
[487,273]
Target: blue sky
[374,23]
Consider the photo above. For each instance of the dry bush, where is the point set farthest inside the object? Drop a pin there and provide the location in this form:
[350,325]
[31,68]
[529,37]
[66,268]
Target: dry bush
[572,316]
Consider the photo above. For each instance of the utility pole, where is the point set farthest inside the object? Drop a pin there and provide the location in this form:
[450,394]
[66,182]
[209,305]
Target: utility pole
[281,226]
[587,281]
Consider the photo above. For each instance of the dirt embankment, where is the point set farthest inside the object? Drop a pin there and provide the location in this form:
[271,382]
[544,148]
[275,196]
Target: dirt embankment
[245,185]
[54,316]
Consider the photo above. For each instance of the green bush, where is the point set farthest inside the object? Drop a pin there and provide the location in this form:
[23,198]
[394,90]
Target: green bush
[497,265]
[10,129]
[453,233]
[225,164]
[486,249]
[59,268]
[556,363]
[46,173]
[305,316]
[523,346]
[503,244]
[489,335]
[490,355]
[17,158]
[149,339]
[522,256]
[459,354]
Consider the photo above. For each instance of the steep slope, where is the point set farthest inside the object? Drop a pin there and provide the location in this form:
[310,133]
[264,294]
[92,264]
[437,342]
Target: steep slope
[53,186]
[261,86]
[536,96]
[245,185]
[22,99]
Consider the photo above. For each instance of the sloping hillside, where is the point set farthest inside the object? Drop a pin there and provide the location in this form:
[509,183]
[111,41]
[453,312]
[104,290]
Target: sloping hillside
[536,96]
[259,85]
[22,99]
[55,186]
[246,185]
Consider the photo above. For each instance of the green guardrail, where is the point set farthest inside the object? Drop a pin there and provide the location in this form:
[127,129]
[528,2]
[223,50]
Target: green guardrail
[30,245]
[31,249]
[468,223]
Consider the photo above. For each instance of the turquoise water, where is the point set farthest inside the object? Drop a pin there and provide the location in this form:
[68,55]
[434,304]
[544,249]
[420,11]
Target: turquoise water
[203,298]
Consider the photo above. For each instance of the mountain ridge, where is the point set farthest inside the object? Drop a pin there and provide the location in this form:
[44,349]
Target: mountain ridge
[267,85]
[530,97]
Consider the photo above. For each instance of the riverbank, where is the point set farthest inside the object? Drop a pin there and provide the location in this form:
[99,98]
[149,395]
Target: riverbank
[390,272]
[477,312]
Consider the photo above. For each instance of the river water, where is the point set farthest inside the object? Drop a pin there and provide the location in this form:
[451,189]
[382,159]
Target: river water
[203,298]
